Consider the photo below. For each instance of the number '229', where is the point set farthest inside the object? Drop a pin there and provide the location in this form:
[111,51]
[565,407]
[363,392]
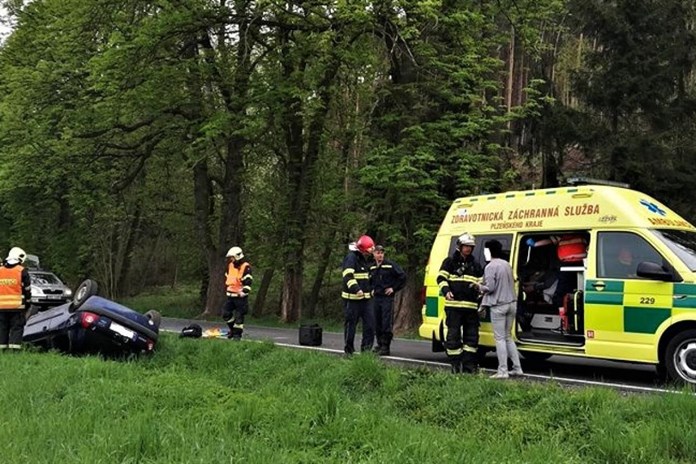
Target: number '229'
[647,300]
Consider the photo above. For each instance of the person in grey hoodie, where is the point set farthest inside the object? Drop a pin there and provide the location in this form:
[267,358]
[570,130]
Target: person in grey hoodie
[499,295]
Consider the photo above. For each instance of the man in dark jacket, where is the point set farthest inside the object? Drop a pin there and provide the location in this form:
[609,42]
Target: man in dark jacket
[356,294]
[458,280]
[15,296]
[387,278]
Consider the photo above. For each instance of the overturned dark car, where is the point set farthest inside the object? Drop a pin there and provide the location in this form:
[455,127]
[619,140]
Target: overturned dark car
[92,324]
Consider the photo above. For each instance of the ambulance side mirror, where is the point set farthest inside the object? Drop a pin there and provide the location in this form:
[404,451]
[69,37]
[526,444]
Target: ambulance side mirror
[654,271]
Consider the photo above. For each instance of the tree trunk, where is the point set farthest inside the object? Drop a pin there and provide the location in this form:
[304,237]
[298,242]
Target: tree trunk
[291,301]
[511,72]
[215,294]
[407,304]
[262,292]
[122,286]
[319,280]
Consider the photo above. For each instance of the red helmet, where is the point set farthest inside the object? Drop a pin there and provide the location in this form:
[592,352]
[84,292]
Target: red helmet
[365,244]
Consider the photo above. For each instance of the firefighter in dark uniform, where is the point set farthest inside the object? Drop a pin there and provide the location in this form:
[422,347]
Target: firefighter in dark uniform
[238,281]
[356,294]
[15,296]
[457,280]
[387,278]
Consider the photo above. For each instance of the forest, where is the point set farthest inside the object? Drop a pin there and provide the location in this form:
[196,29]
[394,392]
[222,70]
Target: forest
[139,140]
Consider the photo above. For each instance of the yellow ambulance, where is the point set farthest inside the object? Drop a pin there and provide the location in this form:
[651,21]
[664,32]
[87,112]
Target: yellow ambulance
[629,296]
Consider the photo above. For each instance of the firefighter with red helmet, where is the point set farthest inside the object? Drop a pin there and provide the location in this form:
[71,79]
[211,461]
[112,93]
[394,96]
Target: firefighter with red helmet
[15,296]
[238,281]
[458,280]
[356,294]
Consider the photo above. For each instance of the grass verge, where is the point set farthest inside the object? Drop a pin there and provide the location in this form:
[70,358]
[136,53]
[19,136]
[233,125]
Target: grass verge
[220,401]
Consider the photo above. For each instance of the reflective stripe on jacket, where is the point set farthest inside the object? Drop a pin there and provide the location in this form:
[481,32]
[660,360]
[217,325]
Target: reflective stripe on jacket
[356,277]
[457,275]
[386,275]
[11,287]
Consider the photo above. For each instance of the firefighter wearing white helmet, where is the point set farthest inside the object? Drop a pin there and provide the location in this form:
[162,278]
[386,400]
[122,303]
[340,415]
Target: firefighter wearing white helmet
[458,280]
[238,280]
[235,252]
[15,296]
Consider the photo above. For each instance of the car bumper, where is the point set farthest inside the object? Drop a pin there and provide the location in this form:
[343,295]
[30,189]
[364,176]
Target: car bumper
[48,302]
[109,335]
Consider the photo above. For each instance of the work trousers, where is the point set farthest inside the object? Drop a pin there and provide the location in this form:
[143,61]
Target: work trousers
[233,312]
[355,310]
[11,328]
[462,338]
[384,319]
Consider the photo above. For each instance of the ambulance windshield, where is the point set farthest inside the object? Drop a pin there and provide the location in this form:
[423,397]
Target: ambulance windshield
[682,243]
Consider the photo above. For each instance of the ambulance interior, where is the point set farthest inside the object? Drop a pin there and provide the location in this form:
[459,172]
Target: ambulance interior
[550,288]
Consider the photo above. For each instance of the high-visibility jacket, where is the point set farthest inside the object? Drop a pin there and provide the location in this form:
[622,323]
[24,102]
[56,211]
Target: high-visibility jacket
[459,274]
[356,277]
[238,279]
[11,289]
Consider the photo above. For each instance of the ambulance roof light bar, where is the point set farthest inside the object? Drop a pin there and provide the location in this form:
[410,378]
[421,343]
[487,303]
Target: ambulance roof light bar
[574,181]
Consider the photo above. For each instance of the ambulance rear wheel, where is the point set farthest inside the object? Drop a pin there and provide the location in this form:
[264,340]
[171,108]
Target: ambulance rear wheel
[680,357]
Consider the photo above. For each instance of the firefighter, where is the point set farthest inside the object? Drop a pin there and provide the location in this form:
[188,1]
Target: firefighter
[386,278]
[238,281]
[356,294]
[15,296]
[458,280]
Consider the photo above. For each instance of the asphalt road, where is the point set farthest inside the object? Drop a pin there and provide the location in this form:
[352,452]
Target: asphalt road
[564,369]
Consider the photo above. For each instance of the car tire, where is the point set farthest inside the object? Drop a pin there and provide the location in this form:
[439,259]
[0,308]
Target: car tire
[155,317]
[86,289]
[680,358]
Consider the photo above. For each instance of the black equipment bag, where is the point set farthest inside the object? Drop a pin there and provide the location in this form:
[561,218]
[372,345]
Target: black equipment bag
[310,335]
[192,331]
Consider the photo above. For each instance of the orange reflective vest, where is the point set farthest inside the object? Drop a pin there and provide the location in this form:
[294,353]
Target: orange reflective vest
[11,287]
[234,277]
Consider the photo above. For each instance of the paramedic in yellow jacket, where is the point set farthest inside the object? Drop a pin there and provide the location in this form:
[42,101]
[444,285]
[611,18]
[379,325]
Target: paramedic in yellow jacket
[15,296]
[238,281]
[458,280]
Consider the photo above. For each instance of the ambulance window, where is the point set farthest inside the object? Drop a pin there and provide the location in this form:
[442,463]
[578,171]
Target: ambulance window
[618,255]
[505,239]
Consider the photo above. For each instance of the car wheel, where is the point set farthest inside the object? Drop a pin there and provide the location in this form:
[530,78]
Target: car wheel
[680,358]
[154,316]
[535,356]
[86,289]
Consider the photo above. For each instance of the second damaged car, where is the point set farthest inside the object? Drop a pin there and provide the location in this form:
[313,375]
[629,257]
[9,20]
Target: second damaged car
[90,323]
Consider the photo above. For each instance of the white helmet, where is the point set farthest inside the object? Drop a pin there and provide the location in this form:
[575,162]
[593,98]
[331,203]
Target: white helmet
[235,252]
[466,239]
[16,254]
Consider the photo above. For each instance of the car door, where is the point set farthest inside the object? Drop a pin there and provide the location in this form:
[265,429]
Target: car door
[623,311]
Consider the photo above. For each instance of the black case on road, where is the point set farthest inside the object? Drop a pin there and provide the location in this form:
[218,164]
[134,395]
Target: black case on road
[310,335]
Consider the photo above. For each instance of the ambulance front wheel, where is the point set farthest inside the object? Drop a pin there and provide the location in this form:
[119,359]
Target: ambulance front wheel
[680,357]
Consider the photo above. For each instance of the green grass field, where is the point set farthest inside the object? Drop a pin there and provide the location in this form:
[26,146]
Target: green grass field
[214,401]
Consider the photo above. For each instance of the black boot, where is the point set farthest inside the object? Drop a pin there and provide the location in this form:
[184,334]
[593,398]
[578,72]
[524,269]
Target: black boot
[456,365]
[384,350]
